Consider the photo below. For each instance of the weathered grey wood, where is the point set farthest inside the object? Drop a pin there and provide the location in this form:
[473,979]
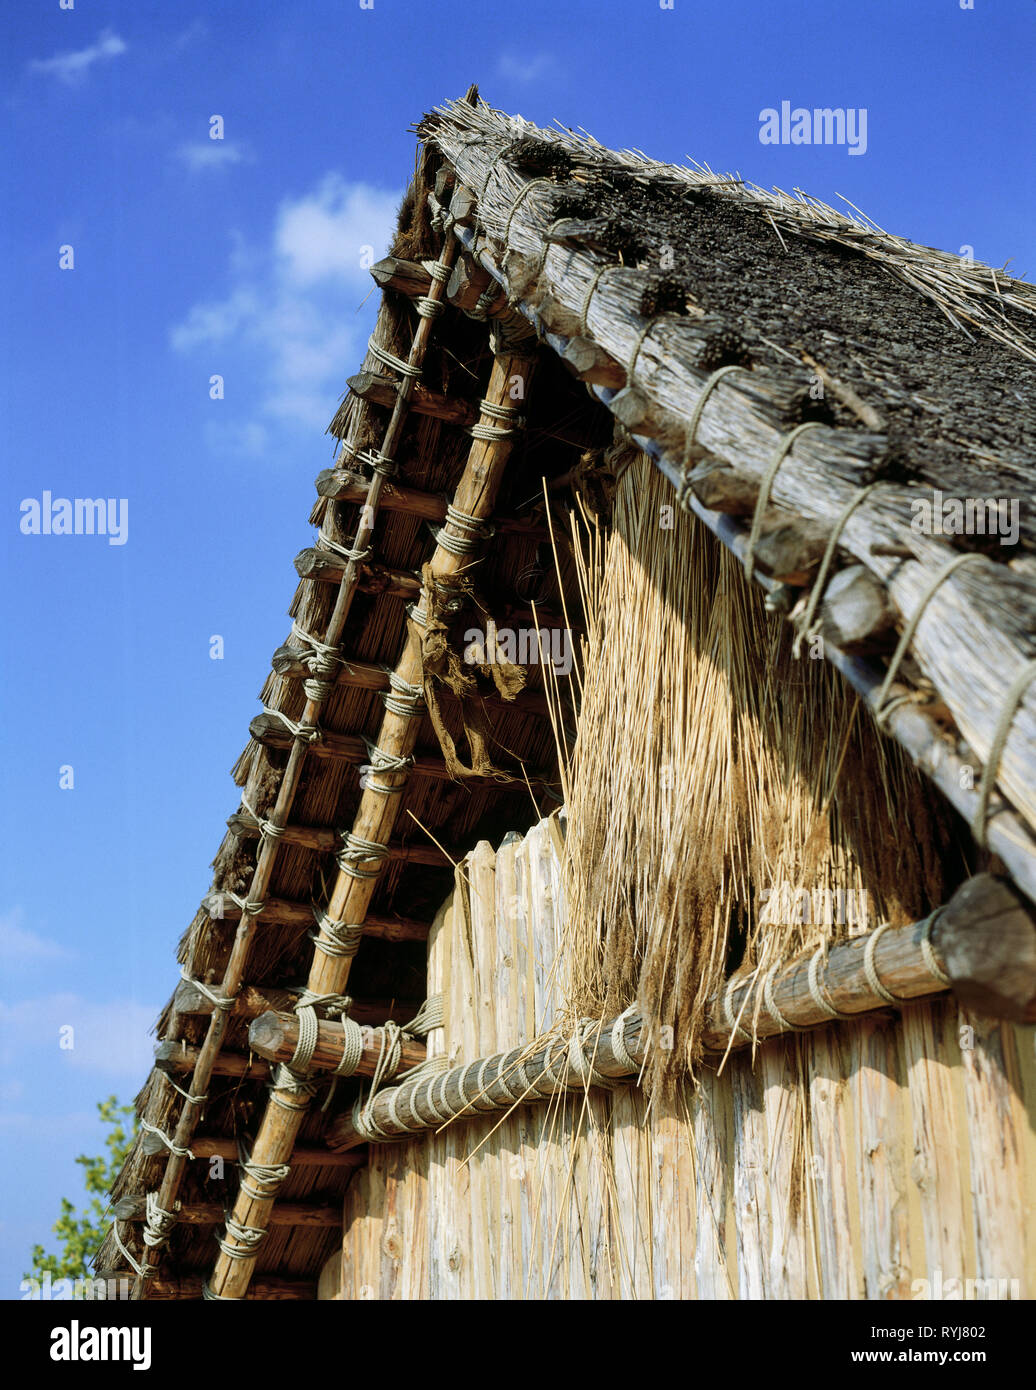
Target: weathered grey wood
[975,917]
[328,568]
[468,282]
[174,1058]
[723,489]
[406,277]
[258,999]
[591,363]
[275,1037]
[444,1095]
[381,390]
[993,970]
[990,609]
[856,613]
[789,549]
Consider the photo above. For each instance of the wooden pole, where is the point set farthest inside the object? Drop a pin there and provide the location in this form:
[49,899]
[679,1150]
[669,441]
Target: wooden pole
[187,1287]
[233,976]
[212,1213]
[745,419]
[286,912]
[258,999]
[275,1036]
[213,1146]
[375,817]
[984,939]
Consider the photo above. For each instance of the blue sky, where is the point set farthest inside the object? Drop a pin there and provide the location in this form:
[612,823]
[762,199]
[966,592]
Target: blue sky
[241,258]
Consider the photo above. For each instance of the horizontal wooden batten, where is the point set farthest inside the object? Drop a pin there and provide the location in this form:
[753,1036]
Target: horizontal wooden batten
[326,567]
[381,390]
[275,1037]
[982,944]
[211,1146]
[213,1213]
[287,913]
[268,730]
[175,1058]
[323,838]
[258,999]
[405,277]
[363,675]
[343,486]
[187,1287]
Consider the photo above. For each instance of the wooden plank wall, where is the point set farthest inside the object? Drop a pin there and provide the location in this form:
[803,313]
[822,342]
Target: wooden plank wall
[893,1158]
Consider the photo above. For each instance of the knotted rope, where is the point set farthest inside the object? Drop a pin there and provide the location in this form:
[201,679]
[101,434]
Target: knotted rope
[762,501]
[258,1177]
[355,850]
[883,707]
[804,625]
[308,733]
[1012,700]
[389,359]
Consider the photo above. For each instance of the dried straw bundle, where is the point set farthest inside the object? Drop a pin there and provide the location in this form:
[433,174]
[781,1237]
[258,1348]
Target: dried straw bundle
[718,790]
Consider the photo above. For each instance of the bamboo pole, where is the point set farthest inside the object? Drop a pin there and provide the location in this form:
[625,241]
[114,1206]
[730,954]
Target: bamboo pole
[233,976]
[287,912]
[351,894]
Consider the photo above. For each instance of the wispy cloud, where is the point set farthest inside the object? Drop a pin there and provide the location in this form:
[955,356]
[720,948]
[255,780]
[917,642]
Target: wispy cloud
[212,154]
[526,69]
[107,1038]
[73,65]
[20,946]
[292,305]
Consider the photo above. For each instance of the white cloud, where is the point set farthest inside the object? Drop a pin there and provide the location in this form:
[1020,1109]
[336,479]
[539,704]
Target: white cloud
[19,946]
[74,64]
[212,154]
[526,69]
[108,1038]
[324,233]
[293,305]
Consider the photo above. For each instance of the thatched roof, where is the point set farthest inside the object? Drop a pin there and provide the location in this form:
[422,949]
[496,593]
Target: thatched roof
[642,280]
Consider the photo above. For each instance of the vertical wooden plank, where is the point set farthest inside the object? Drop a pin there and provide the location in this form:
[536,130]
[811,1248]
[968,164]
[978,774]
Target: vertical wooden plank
[508,1173]
[751,1179]
[673,1180]
[784,1119]
[478,1275]
[708,1129]
[996,1122]
[631,1216]
[880,1160]
[833,1185]
[939,1173]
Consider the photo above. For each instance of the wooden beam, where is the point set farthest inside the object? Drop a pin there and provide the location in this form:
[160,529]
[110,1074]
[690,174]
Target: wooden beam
[381,390]
[175,1058]
[284,912]
[323,839]
[342,485]
[187,1287]
[362,675]
[131,1208]
[983,939]
[268,730]
[405,277]
[212,1146]
[292,774]
[258,999]
[275,1037]
[328,568]
[351,894]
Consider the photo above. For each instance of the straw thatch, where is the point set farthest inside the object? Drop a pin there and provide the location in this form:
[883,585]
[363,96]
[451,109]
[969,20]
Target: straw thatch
[704,765]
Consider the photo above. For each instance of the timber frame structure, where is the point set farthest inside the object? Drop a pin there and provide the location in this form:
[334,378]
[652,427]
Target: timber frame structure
[805,384]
